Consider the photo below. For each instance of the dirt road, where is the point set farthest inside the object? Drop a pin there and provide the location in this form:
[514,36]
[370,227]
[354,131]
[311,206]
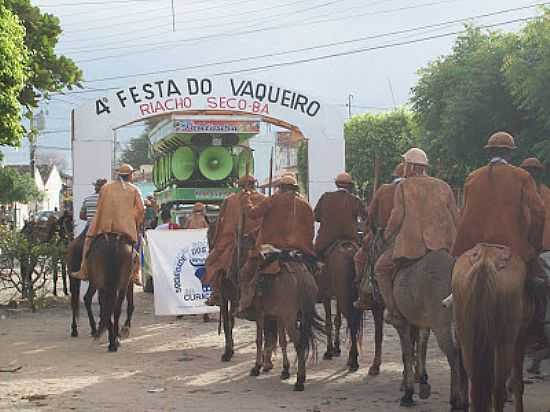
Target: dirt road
[169,365]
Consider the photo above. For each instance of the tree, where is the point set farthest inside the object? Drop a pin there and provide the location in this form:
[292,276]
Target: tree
[17,187]
[13,62]
[462,98]
[379,138]
[47,71]
[527,71]
[137,151]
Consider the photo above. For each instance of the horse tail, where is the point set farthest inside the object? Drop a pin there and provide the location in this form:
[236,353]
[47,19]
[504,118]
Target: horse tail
[480,316]
[110,248]
[310,323]
[75,296]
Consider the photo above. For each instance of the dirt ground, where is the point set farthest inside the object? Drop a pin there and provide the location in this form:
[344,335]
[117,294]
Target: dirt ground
[169,364]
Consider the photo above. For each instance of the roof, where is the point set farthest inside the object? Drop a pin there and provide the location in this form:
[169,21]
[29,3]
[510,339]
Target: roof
[45,171]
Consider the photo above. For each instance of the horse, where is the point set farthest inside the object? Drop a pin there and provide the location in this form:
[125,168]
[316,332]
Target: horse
[491,312]
[337,280]
[285,302]
[49,230]
[73,260]
[418,290]
[109,266]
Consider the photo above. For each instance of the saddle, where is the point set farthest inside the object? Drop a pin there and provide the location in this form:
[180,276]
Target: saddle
[273,259]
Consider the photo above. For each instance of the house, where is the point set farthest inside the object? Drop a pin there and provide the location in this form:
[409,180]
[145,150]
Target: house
[49,181]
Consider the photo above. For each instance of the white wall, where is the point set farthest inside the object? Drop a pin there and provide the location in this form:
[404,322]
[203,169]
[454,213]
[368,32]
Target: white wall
[52,190]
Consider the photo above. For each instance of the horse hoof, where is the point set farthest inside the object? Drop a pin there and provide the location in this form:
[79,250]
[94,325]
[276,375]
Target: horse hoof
[374,370]
[298,387]
[424,390]
[255,371]
[113,348]
[267,369]
[407,399]
[124,332]
[226,357]
[74,333]
[285,374]
[327,356]
[354,367]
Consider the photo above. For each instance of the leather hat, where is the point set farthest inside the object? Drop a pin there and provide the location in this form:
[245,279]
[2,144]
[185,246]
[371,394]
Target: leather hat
[198,207]
[247,181]
[125,170]
[343,179]
[532,162]
[501,140]
[416,156]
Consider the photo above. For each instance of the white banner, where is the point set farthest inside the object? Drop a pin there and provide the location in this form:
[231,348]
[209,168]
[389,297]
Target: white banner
[177,264]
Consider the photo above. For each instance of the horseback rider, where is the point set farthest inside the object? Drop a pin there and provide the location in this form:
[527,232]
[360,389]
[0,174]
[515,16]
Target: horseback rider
[197,220]
[502,206]
[89,205]
[232,214]
[119,210]
[536,170]
[423,219]
[287,224]
[377,218]
[338,213]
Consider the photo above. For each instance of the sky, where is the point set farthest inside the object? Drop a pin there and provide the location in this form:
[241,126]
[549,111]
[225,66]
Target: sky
[382,45]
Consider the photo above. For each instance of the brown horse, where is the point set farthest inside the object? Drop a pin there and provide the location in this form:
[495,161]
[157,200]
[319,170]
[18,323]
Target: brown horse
[285,301]
[337,280]
[418,291]
[491,311]
[73,260]
[109,266]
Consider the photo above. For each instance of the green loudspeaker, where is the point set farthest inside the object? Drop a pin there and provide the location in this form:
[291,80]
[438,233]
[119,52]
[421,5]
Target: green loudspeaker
[183,163]
[168,169]
[215,163]
[245,163]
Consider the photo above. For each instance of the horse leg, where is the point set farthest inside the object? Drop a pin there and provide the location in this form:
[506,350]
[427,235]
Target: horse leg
[283,343]
[88,304]
[504,359]
[378,316]
[125,331]
[354,323]
[327,303]
[300,347]
[75,305]
[64,277]
[55,275]
[517,374]
[337,325]
[424,390]
[270,341]
[224,309]
[408,360]
[459,380]
[255,371]
[119,300]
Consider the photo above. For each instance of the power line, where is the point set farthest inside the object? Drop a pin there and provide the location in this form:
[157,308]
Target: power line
[91,3]
[203,37]
[334,55]
[275,54]
[252,31]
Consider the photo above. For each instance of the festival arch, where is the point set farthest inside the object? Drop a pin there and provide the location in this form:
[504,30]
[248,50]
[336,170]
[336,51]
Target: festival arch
[94,123]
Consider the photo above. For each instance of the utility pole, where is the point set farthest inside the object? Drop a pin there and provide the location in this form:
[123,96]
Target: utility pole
[350,98]
[173,17]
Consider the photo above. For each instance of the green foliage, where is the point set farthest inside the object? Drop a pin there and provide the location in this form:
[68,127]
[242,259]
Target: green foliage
[462,98]
[13,62]
[384,136]
[47,71]
[137,151]
[17,187]
[527,71]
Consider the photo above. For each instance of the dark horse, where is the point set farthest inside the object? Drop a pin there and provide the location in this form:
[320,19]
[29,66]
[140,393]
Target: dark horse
[58,229]
[74,259]
[229,289]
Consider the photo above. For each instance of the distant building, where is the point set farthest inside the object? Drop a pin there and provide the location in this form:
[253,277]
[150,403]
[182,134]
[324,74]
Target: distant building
[49,181]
